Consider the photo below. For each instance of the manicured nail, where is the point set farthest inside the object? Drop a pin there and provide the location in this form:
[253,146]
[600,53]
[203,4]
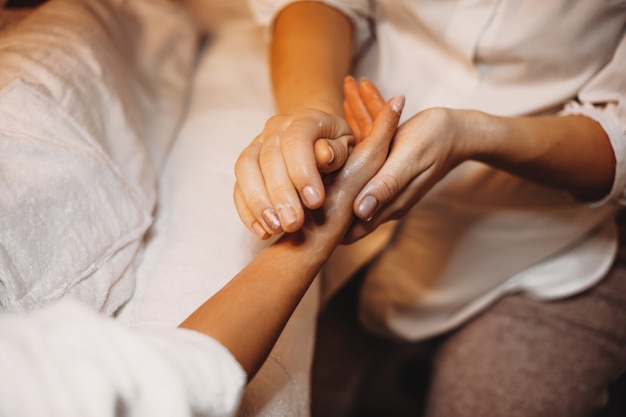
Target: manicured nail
[259,231]
[311,196]
[271,219]
[367,207]
[397,103]
[287,215]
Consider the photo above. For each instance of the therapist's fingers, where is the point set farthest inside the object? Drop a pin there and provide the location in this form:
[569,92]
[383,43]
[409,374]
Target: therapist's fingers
[252,197]
[287,165]
[247,217]
[305,159]
[331,154]
[392,179]
[280,186]
[280,173]
[395,209]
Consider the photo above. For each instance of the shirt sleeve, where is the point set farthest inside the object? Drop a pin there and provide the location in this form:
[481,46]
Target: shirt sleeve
[360,13]
[66,360]
[604,100]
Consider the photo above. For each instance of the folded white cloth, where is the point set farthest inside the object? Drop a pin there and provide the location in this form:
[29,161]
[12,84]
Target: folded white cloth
[67,361]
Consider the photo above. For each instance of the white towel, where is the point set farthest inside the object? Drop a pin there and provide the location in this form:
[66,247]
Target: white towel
[68,361]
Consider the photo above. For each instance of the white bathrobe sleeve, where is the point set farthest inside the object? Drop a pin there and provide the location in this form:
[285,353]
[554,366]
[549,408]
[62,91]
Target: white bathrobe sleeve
[68,361]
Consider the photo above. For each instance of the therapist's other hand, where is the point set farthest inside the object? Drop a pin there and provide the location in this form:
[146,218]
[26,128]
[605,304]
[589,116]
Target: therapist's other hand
[280,173]
[425,148]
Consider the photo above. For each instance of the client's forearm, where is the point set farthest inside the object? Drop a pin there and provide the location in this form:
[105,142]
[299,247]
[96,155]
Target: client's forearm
[248,314]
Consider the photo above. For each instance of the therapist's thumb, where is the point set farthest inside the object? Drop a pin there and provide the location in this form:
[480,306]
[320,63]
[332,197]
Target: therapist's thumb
[331,154]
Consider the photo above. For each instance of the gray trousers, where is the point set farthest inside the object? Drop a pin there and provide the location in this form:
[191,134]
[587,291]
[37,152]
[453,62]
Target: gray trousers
[520,358]
[529,358]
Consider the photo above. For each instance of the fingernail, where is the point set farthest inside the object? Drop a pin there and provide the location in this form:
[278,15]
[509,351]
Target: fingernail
[332,155]
[311,196]
[367,207]
[259,231]
[287,215]
[397,103]
[271,219]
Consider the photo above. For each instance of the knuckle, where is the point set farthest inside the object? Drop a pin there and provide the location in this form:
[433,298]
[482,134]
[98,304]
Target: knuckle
[256,202]
[311,117]
[242,163]
[311,114]
[274,121]
[290,142]
[281,192]
[389,187]
[299,175]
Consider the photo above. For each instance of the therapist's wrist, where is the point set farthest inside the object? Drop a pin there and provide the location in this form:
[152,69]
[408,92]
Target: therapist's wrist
[477,134]
[328,104]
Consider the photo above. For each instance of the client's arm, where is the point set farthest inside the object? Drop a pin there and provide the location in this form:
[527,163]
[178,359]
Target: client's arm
[249,313]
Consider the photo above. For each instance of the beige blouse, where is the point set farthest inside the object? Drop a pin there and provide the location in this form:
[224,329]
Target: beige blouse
[482,233]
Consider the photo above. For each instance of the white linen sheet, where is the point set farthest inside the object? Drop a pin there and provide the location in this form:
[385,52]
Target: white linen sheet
[80,148]
[197,242]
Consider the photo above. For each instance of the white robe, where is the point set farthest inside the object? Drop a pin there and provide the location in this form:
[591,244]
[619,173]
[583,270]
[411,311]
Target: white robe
[66,360]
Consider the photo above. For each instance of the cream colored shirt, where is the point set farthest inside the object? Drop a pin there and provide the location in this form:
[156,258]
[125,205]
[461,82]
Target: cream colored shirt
[482,233]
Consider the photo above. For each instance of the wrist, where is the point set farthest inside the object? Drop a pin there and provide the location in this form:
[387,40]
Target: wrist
[478,134]
[288,103]
[312,249]
[320,235]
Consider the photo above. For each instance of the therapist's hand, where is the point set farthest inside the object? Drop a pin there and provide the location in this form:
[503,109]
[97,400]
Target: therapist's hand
[425,148]
[280,173]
